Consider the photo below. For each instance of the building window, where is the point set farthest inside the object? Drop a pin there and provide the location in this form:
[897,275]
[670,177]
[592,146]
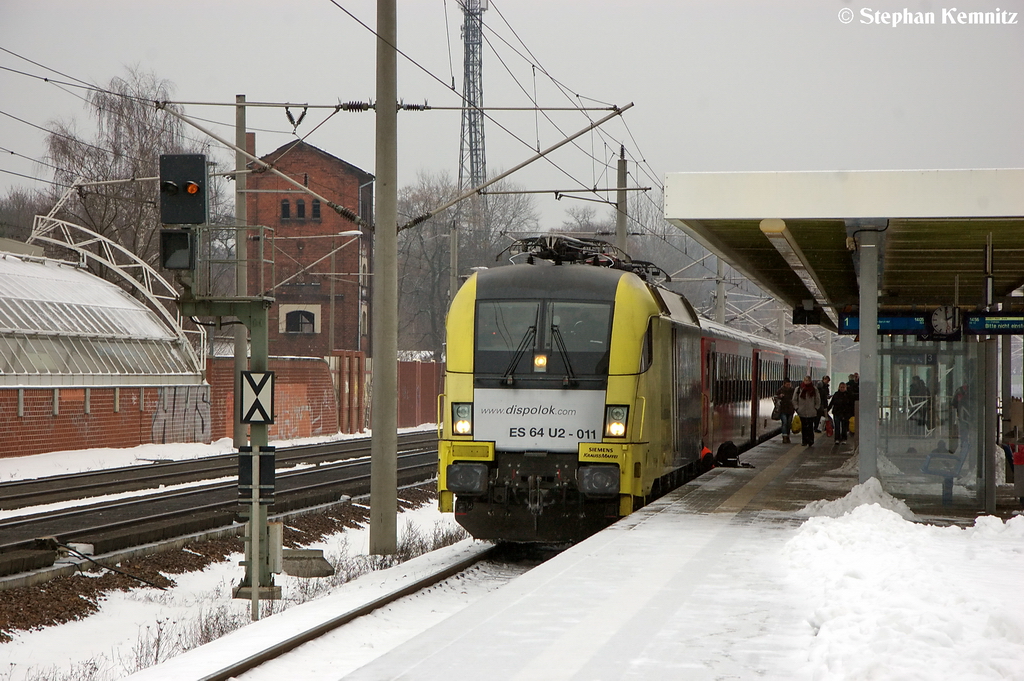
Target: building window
[294,318]
[300,209]
[316,209]
[300,321]
[286,209]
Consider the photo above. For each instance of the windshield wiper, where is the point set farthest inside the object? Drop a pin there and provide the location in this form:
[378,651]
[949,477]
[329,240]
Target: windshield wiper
[570,376]
[531,333]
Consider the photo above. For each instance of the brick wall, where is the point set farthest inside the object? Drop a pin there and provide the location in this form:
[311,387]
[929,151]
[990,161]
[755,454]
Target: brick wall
[56,419]
[304,398]
[419,384]
[307,403]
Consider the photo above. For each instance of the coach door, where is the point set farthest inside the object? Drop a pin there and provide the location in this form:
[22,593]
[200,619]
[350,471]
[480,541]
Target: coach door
[755,396]
[710,375]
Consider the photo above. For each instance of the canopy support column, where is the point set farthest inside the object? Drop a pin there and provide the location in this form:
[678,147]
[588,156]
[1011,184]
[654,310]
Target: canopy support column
[867,421]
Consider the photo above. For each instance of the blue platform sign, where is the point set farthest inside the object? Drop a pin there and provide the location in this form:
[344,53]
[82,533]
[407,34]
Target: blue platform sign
[994,324]
[907,324]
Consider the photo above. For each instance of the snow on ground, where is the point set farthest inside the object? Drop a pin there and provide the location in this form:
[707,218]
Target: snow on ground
[875,595]
[893,599]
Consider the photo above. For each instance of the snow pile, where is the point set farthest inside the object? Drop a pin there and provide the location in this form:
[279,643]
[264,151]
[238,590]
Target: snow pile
[892,599]
[102,458]
[869,492]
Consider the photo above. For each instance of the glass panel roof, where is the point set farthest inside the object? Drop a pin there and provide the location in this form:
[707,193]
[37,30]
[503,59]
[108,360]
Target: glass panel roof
[62,323]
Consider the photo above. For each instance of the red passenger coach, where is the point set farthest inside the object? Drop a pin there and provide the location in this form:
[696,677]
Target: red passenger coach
[741,374]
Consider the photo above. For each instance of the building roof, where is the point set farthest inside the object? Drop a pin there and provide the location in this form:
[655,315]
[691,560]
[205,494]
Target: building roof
[795,234]
[293,147]
[62,326]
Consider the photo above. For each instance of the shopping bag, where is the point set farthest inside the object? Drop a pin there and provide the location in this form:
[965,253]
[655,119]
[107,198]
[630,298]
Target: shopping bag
[796,423]
[852,424]
[828,427]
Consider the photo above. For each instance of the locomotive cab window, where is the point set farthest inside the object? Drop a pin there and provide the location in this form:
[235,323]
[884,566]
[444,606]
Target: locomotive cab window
[647,352]
[584,330]
[570,336]
[502,326]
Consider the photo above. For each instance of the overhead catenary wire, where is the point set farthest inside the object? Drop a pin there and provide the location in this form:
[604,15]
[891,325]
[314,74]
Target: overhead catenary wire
[433,76]
[82,84]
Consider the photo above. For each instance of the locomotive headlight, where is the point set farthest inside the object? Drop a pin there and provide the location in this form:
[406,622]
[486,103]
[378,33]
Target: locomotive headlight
[540,363]
[615,418]
[462,418]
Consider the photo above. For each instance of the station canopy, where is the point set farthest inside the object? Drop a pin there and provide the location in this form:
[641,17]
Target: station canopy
[62,326]
[942,233]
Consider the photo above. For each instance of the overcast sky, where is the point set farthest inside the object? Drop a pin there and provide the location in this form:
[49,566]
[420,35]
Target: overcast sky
[717,86]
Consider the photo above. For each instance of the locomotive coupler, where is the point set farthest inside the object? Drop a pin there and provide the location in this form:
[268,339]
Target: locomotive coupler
[535,498]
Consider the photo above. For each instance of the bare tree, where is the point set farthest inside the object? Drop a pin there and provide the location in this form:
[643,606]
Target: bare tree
[425,256]
[131,134]
[17,211]
[582,219]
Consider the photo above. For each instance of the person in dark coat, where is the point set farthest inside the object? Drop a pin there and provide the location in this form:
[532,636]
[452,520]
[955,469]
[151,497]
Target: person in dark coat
[919,403]
[786,408]
[842,411]
[807,402]
[825,392]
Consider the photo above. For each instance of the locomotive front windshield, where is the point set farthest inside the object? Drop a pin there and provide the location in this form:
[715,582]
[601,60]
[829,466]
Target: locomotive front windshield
[572,336]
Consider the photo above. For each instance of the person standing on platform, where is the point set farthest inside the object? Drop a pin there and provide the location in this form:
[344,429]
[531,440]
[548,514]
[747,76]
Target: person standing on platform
[842,411]
[807,402]
[918,406]
[825,392]
[786,409]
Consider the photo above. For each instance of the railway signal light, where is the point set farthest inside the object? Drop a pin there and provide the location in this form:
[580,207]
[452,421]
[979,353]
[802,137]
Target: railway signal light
[183,189]
[266,483]
[177,249]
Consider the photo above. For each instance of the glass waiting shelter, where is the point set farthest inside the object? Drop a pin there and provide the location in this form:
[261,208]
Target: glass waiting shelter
[931,408]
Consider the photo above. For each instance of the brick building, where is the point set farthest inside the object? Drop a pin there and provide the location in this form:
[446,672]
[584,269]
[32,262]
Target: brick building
[320,279]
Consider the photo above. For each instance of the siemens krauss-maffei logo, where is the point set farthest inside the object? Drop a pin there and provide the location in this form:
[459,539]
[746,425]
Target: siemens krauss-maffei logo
[949,16]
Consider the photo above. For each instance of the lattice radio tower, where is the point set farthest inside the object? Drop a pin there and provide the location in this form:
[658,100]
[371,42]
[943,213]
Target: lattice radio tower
[472,160]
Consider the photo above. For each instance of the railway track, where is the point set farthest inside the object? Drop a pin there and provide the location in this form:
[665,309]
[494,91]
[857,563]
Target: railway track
[59,488]
[145,518]
[453,567]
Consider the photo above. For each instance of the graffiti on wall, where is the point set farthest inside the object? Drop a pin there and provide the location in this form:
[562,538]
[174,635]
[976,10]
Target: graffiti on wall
[182,414]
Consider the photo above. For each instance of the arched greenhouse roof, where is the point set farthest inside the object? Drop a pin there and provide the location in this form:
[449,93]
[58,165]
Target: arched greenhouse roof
[62,326]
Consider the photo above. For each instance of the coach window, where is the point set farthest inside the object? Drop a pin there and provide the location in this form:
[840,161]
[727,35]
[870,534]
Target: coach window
[300,209]
[730,373]
[737,375]
[721,374]
[286,209]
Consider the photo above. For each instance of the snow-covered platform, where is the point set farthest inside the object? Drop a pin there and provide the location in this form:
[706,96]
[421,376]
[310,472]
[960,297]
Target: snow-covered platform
[664,593]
